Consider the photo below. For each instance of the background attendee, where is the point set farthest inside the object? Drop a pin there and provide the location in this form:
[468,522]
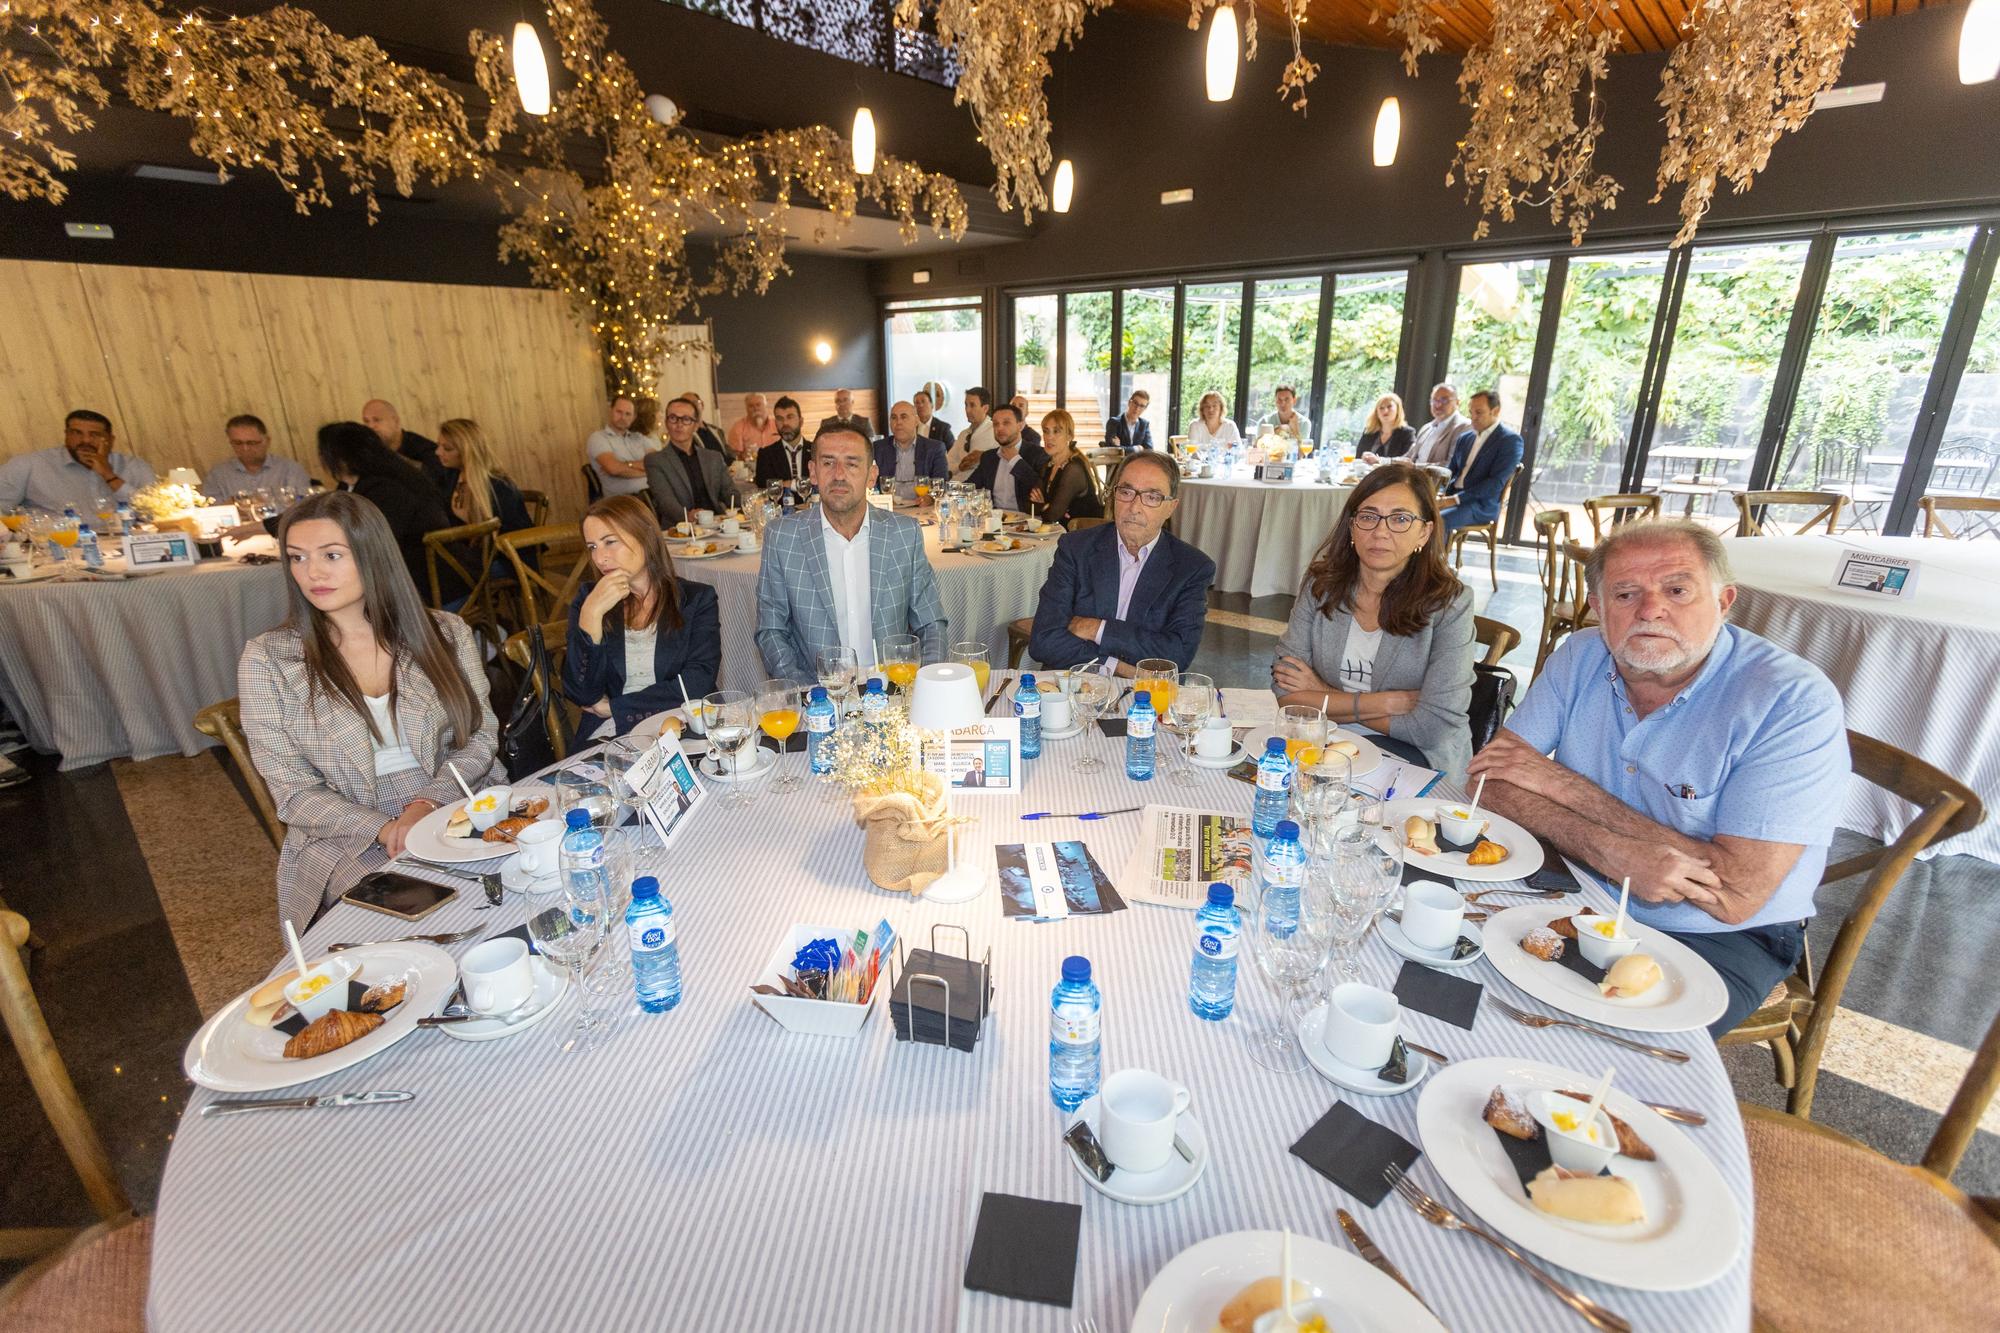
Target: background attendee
[683,476]
[789,456]
[354,707]
[1286,419]
[1441,432]
[869,561]
[1209,425]
[618,452]
[1482,462]
[1029,435]
[928,426]
[706,435]
[252,465]
[79,473]
[382,418]
[1127,590]
[905,455]
[646,419]
[977,437]
[1386,433]
[477,489]
[1129,430]
[1070,490]
[752,431]
[355,457]
[637,633]
[1381,633]
[845,417]
[1013,467]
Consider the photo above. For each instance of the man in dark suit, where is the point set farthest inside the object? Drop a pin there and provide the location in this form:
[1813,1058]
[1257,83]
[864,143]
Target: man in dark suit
[788,457]
[903,455]
[1015,467]
[382,418]
[1129,430]
[845,417]
[976,775]
[1029,435]
[929,426]
[1482,463]
[685,476]
[1126,590]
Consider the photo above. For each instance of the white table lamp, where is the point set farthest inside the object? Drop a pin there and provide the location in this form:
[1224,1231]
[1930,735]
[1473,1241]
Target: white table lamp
[945,698]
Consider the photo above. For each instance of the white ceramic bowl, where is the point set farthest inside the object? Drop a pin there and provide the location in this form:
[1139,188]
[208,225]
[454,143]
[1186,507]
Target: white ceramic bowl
[488,806]
[820,1018]
[1569,1149]
[1600,950]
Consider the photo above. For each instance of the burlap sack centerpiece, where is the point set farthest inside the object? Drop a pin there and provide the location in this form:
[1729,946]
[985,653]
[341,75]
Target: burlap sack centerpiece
[905,830]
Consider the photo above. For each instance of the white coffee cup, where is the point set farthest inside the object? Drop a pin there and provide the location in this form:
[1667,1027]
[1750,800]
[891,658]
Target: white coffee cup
[704,517]
[1136,1114]
[488,806]
[1361,1023]
[540,843]
[746,540]
[499,976]
[1431,914]
[993,521]
[1215,739]
[1055,711]
[730,527]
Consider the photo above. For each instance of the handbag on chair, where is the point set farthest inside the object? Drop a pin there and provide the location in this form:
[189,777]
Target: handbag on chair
[525,744]
[1492,700]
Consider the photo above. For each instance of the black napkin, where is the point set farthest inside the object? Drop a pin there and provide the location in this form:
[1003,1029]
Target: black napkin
[1353,1151]
[1573,959]
[520,933]
[917,1009]
[1439,994]
[296,1023]
[1112,726]
[1025,1249]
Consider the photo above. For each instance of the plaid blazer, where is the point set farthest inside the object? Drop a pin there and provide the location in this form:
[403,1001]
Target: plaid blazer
[318,759]
[795,596]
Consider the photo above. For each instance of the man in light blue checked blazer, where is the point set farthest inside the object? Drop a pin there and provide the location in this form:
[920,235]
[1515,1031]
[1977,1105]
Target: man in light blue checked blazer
[843,573]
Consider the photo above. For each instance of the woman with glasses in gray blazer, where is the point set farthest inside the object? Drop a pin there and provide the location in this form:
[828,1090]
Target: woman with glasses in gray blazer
[1381,633]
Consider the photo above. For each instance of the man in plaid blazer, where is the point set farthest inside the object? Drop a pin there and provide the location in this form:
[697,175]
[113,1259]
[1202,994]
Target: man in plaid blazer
[843,573]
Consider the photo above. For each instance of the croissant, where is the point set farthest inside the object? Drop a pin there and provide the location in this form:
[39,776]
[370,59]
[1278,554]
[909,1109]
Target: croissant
[1486,853]
[329,1032]
[507,829]
[1564,926]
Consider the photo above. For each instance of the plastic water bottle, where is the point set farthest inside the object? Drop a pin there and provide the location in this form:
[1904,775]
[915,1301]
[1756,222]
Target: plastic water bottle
[87,548]
[1076,1014]
[1028,707]
[1212,981]
[874,702]
[656,954]
[1274,789]
[1281,868]
[819,730]
[1139,743]
[126,518]
[585,875]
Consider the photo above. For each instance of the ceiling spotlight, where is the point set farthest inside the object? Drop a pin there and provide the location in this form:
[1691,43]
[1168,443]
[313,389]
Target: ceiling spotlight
[864,142]
[1388,132]
[1065,187]
[1223,45]
[662,109]
[1979,43]
[823,351]
[531,70]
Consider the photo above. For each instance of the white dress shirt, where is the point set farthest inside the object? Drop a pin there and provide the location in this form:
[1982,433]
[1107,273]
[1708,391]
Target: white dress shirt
[1130,567]
[1004,496]
[1478,442]
[1435,440]
[847,575]
[971,440]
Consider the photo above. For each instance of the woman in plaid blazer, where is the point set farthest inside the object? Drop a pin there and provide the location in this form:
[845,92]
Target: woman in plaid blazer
[354,706]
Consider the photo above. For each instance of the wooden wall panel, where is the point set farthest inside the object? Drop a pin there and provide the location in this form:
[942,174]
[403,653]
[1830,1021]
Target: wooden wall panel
[52,361]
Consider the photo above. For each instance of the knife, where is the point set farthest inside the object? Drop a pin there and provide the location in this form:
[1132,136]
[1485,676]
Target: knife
[307,1103]
[1373,1255]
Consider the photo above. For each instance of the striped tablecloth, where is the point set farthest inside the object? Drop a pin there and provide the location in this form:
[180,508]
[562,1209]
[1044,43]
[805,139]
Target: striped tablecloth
[1261,535]
[704,1166]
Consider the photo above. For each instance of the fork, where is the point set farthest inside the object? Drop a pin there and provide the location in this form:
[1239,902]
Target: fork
[1477,894]
[1526,1019]
[1397,916]
[453,938]
[1440,1216]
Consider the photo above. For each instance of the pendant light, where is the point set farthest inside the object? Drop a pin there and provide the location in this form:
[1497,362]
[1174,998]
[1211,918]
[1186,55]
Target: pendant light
[864,142]
[1979,43]
[531,70]
[1223,50]
[1388,132]
[1065,187]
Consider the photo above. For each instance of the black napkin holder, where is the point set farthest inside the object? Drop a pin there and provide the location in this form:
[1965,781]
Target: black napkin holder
[938,998]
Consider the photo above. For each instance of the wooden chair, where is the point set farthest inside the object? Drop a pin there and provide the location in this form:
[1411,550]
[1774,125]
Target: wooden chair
[593,485]
[1797,1015]
[564,717]
[224,721]
[1961,504]
[537,505]
[1562,581]
[1018,632]
[1618,509]
[1490,531]
[1079,524]
[1498,637]
[453,548]
[543,595]
[1751,505]
[1846,1234]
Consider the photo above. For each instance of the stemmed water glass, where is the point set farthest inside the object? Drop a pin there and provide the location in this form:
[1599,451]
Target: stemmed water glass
[567,931]
[1093,693]
[1290,944]
[1321,795]
[779,712]
[1362,870]
[839,668]
[731,730]
[1193,702]
[1157,676]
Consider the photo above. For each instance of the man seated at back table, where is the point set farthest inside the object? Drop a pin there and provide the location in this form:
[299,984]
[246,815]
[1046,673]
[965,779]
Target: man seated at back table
[844,574]
[1699,759]
[253,467]
[1016,466]
[1482,463]
[83,473]
[685,476]
[906,455]
[1126,590]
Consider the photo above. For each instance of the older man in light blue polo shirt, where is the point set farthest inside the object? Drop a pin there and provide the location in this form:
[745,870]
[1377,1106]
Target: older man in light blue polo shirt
[1702,761]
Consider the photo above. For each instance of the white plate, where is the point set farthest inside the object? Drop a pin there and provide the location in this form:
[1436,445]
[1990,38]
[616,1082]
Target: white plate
[230,1055]
[1393,936]
[765,759]
[678,551]
[1524,854]
[1189,1292]
[1364,1081]
[675,532]
[550,983]
[1693,1228]
[515,880]
[1230,760]
[1171,1181]
[1363,763]
[428,841]
[34,574]
[980,548]
[1075,729]
[1690,993]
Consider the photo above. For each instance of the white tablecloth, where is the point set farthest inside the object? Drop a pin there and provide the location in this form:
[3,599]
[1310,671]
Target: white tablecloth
[705,1164]
[1261,535]
[1920,674]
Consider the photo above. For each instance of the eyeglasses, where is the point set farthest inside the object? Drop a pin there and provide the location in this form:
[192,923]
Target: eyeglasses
[677,419]
[1150,499]
[1400,521]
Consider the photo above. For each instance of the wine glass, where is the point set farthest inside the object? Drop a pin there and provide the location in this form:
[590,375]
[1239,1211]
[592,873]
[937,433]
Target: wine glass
[731,729]
[899,660]
[1290,945]
[618,759]
[1322,792]
[1193,702]
[1362,872]
[923,491]
[778,713]
[16,519]
[567,932]
[973,654]
[839,668]
[1094,693]
[62,531]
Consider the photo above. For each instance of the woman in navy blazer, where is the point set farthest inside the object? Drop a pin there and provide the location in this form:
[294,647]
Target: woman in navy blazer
[636,603]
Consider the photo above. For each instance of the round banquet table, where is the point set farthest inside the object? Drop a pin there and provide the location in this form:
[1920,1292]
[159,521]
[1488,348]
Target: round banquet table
[706,1161]
[1919,674]
[1261,535]
[116,669]
[980,593]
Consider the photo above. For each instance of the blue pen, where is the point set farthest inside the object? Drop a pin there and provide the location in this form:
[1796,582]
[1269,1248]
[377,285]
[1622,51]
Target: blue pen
[1390,794]
[1087,814]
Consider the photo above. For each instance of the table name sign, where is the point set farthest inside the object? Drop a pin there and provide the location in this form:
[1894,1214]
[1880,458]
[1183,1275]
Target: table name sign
[995,743]
[159,550]
[1881,575]
[211,519]
[1275,472]
[666,783]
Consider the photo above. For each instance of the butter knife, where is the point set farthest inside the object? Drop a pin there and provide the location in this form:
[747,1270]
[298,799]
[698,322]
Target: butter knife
[307,1103]
[1373,1254]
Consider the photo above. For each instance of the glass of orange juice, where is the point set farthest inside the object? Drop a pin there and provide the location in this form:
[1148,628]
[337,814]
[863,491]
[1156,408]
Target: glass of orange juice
[974,655]
[899,660]
[1157,677]
[15,519]
[1304,730]
[62,531]
[778,713]
[923,491]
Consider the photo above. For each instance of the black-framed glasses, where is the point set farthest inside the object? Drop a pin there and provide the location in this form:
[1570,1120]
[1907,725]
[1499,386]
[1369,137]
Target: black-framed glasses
[1150,499]
[676,419]
[1402,520]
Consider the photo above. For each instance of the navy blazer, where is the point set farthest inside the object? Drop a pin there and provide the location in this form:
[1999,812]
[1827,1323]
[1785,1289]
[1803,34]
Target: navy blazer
[1479,498]
[1165,616]
[941,431]
[1029,472]
[930,459]
[593,671]
[1126,436]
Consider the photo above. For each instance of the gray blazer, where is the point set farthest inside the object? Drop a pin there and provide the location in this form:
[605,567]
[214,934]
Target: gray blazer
[795,595]
[667,479]
[1436,661]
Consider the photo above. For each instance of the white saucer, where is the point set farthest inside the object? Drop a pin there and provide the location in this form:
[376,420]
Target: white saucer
[516,880]
[1171,1181]
[1364,1081]
[550,983]
[765,760]
[1064,735]
[1392,935]
[1230,760]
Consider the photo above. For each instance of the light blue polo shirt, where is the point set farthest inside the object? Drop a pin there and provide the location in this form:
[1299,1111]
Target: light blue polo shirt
[1754,747]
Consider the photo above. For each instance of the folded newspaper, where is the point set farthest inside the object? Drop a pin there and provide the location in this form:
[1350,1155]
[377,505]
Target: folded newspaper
[1181,852]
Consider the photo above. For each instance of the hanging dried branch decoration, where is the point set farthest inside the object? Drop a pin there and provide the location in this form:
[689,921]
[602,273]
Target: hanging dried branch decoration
[1748,72]
[1413,21]
[1300,72]
[1526,145]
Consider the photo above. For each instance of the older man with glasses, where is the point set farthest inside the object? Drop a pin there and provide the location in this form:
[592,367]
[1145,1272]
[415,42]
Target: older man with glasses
[1127,590]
